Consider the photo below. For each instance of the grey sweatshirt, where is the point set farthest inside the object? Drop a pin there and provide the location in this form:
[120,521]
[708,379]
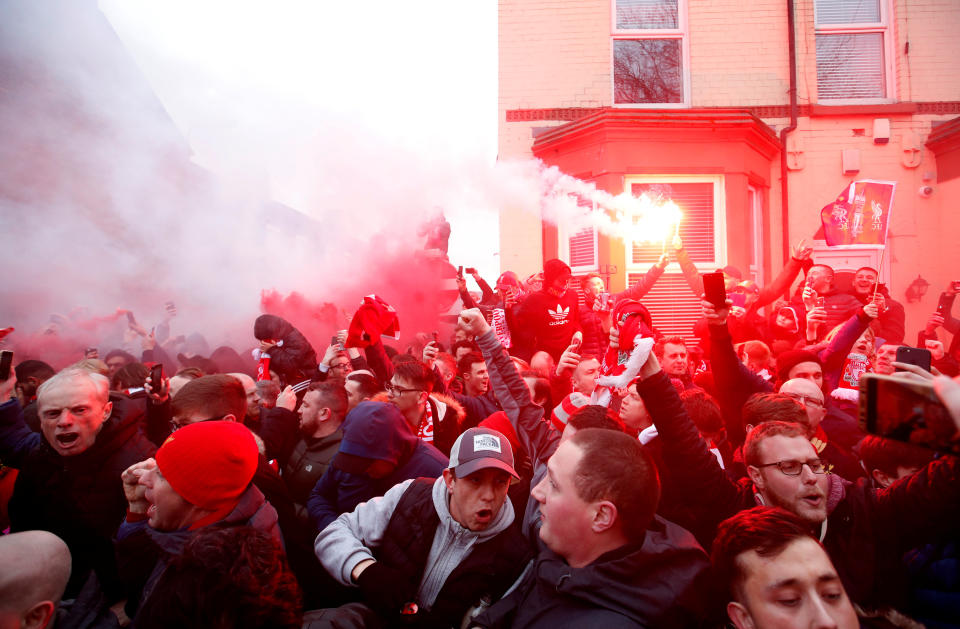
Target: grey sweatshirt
[350,538]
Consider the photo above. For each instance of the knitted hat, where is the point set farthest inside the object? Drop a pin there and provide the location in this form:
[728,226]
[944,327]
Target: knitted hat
[567,407]
[790,359]
[481,448]
[209,464]
[553,269]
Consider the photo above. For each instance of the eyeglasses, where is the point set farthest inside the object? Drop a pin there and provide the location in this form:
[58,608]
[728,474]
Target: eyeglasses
[176,424]
[805,399]
[345,365]
[393,389]
[793,468]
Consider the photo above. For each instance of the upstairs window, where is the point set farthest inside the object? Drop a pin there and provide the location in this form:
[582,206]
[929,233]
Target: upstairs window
[853,50]
[650,52]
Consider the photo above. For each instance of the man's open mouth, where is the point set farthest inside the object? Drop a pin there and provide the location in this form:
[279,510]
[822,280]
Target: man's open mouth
[67,439]
[813,500]
[484,514]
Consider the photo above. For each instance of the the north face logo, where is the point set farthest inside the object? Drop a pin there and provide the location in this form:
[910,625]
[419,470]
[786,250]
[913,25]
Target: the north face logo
[559,315]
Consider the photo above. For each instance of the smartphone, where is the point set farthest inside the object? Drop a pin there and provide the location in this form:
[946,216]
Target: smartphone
[470,270]
[156,378]
[906,410]
[436,337]
[918,356]
[739,300]
[130,318]
[944,305]
[91,352]
[821,302]
[459,272]
[714,289]
[6,361]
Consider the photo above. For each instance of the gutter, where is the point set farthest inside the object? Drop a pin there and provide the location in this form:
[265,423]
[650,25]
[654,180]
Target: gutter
[784,190]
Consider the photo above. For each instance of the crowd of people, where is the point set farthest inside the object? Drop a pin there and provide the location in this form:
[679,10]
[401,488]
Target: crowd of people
[556,462]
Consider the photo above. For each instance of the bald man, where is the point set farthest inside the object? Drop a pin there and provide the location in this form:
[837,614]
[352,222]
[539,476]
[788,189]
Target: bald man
[36,568]
[810,397]
[252,418]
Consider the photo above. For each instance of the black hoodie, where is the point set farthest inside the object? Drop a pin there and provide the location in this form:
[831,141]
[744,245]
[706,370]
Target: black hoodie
[662,582]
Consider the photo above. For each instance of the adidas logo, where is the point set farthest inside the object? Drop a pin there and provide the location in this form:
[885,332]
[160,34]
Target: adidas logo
[560,314]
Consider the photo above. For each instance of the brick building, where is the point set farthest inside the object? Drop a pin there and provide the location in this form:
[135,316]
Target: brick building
[696,95]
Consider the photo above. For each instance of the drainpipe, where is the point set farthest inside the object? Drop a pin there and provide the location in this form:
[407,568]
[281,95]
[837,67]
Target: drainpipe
[784,191]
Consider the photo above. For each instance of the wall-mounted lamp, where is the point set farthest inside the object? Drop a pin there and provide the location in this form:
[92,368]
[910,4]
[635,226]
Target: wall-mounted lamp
[917,289]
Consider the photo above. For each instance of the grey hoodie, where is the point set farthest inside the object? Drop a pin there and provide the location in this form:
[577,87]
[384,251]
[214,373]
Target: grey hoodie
[351,538]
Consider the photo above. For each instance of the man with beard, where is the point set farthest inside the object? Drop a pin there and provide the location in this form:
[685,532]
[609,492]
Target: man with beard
[315,443]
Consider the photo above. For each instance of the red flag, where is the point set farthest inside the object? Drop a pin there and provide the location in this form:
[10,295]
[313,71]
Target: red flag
[860,215]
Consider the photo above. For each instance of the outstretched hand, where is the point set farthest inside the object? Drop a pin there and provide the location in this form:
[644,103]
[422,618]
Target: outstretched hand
[802,252]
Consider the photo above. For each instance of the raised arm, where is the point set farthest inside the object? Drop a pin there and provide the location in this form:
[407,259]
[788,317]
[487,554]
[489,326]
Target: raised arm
[837,350]
[695,474]
[734,382]
[645,283]
[780,284]
[690,271]
[538,437]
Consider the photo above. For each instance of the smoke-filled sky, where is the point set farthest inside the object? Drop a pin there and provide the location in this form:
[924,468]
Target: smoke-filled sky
[144,140]
[207,152]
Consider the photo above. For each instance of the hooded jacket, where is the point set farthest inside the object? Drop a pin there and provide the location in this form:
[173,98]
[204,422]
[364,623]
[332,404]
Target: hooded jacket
[381,529]
[373,430]
[657,583]
[78,498]
[293,358]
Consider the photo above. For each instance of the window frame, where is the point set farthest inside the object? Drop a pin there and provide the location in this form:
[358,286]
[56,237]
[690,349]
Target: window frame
[719,222]
[564,233]
[682,32]
[884,27]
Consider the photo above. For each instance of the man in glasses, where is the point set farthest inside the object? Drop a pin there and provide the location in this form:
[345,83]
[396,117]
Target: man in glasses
[838,458]
[865,531]
[434,418]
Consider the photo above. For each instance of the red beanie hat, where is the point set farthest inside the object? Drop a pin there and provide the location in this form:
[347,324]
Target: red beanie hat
[501,423]
[210,464]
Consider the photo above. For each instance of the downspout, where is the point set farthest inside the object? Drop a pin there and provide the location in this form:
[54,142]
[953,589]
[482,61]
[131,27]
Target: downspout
[784,191]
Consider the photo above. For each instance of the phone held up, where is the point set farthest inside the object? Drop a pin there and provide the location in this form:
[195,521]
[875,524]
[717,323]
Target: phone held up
[6,362]
[918,356]
[156,378]
[713,288]
[894,407]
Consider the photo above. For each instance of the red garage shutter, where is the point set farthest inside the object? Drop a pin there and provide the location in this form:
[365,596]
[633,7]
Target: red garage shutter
[672,305]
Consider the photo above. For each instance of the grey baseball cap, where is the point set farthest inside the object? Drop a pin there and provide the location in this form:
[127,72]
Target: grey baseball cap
[480,448]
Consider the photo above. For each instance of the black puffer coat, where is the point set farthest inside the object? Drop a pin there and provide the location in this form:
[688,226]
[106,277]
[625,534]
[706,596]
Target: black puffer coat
[294,359]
